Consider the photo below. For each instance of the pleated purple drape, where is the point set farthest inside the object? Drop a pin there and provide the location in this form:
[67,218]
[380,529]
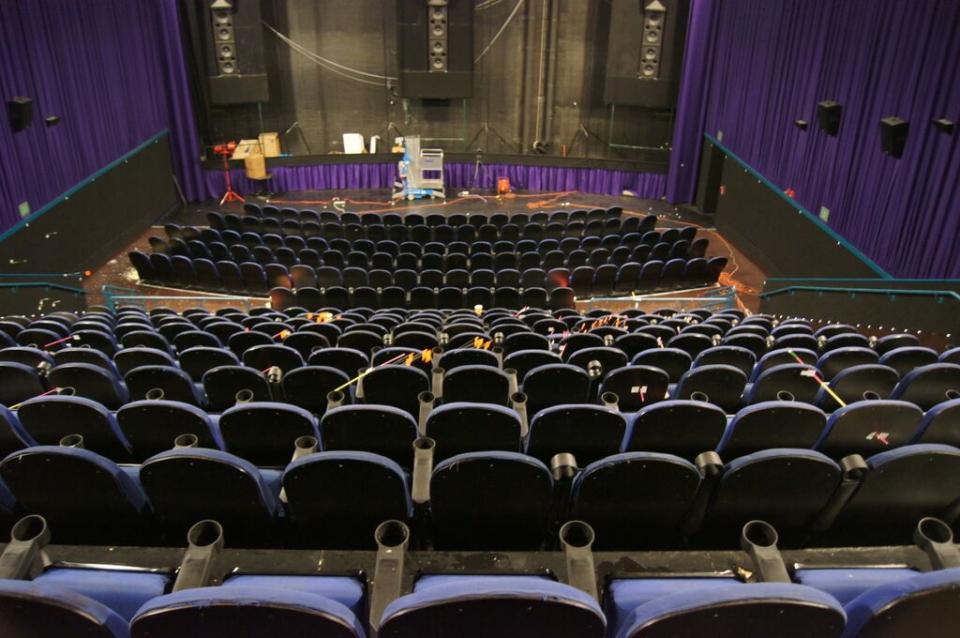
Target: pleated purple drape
[771,62]
[113,70]
[458,176]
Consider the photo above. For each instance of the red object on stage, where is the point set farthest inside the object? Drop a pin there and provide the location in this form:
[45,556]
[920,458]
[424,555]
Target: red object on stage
[226,150]
[503,185]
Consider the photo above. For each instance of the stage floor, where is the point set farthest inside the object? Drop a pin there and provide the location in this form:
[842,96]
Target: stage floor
[740,272]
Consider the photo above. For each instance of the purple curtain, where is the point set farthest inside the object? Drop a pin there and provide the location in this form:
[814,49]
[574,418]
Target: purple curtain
[458,176]
[773,61]
[113,70]
[692,102]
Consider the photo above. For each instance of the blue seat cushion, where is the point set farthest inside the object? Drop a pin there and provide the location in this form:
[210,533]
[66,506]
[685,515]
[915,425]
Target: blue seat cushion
[763,609]
[881,600]
[343,589]
[623,596]
[220,611]
[847,584]
[433,591]
[123,592]
[28,608]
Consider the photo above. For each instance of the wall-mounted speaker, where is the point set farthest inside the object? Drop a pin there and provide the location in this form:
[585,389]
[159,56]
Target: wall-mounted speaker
[801,124]
[893,135]
[829,114]
[20,112]
[236,68]
[944,125]
[644,71]
[435,48]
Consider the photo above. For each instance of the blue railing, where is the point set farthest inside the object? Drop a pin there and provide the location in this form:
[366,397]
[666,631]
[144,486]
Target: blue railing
[939,295]
[115,296]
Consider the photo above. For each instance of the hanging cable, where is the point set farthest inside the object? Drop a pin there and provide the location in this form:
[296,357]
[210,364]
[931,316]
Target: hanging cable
[328,64]
[506,23]
[487,4]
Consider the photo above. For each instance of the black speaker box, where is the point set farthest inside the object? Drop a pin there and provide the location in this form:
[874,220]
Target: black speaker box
[644,52]
[944,125]
[444,72]
[893,135]
[233,43]
[829,114]
[20,112]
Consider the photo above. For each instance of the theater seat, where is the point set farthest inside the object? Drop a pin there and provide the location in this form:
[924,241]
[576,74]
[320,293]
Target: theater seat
[785,382]
[491,500]
[308,387]
[264,432]
[12,435]
[187,485]
[49,419]
[605,495]
[238,611]
[929,385]
[223,384]
[869,427]
[868,381]
[337,499]
[555,384]
[924,605]
[32,610]
[461,427]
[483,606]
[748,611]
[152,426]
[772,424]
[379,429]
[395,385]
[784,487]
[589,432]
[682,428]
[721,385]
[635,386]
[85,497]
[477,383]
[124,592]
[941,424]
[901,487]
[18,382]
[845,584]
[173,384]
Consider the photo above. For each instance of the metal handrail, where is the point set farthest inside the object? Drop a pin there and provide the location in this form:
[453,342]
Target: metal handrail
[892,292]
[44,284]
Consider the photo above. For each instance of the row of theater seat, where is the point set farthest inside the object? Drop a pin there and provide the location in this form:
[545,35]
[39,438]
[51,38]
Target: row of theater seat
[831,602]
[575,366]
[264,431]
[501,255]
[432,288]
[271,211]
[585,377]
[632,232]
[489,500]
[455,229]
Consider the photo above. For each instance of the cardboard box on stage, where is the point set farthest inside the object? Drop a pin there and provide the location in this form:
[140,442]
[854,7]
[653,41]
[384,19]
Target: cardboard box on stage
[270,143]
[245,148]
[255,166]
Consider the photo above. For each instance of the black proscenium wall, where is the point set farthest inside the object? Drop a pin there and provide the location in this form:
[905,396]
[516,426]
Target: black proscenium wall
[508,83]
[102,215]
